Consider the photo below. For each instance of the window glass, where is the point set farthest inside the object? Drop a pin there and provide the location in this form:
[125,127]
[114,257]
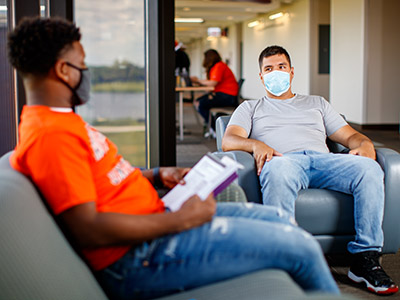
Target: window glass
[44,8]
[113,38]
[8,125]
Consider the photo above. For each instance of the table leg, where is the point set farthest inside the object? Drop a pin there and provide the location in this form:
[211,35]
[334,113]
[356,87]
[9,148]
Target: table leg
[181,116]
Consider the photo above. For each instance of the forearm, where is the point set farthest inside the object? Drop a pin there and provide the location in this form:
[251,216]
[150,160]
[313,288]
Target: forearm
[359,140]
[207,82]
[232,142]
[111,229]
[148,173]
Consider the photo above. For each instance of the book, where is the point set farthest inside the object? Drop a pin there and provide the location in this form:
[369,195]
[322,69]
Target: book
[209,174]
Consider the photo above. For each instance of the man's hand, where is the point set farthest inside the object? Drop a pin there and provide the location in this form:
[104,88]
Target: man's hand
[195,212]
[263,153]
[358,143]
[365,149]
[194,79]
[171,176]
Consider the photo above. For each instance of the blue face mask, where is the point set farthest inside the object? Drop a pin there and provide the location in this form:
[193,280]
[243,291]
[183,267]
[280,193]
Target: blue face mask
[277,82]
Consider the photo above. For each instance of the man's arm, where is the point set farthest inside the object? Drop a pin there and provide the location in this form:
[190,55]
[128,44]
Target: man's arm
[358,143]
[235,138]
[91,228]
[169,176]
[204,82]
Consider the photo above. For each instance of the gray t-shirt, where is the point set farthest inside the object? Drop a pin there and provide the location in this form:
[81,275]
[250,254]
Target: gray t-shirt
[296,124]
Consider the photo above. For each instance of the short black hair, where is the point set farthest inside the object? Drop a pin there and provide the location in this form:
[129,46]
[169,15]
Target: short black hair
[36,43]
[273,50]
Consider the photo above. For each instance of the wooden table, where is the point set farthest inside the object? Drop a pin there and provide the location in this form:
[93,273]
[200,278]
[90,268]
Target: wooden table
[181,90]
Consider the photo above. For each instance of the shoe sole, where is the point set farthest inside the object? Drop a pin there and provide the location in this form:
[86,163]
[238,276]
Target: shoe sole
[370,287]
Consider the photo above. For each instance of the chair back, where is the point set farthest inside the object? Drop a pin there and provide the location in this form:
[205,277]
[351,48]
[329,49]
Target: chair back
[240,84]
[220,127]
[36,260]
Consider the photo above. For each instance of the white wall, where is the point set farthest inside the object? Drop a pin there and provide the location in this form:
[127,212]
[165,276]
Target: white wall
[291,32]
[382,63]
[227,47]
[347,94]
[365,60]
[320,14]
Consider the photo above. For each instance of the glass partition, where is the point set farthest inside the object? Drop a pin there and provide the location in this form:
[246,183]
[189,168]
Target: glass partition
[44,8]
[113,38]
[8,115]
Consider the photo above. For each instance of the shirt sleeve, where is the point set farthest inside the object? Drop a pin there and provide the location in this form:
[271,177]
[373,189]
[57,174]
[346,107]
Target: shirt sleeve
[217,71]
[60,168]
[333,121]
[242,116]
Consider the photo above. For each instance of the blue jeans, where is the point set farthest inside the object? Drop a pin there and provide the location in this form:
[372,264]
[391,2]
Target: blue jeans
[282,178]
[241,238]
[211,100]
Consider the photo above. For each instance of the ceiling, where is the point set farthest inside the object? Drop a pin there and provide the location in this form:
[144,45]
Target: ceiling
[217,13]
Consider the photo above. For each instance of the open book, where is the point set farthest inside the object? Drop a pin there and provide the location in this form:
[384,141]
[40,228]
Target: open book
[210,174]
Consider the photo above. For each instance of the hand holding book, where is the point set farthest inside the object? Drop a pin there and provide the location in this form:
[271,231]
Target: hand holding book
[210,174]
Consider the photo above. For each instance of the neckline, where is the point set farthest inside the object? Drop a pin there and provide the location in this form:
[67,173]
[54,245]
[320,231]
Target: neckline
[61,109]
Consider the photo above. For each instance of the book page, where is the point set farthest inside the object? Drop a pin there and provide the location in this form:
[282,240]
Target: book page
[206,176]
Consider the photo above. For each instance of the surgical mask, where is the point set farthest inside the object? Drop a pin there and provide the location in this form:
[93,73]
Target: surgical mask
[277,82]
[81,93]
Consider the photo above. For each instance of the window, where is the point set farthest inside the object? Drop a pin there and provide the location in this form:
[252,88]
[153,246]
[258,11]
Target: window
[113,38]
[8,122]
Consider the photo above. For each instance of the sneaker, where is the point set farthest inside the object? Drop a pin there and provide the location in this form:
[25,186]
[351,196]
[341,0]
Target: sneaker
[366,268]
[210,134]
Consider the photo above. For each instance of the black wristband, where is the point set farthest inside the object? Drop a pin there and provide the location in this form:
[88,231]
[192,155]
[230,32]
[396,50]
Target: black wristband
[157,178]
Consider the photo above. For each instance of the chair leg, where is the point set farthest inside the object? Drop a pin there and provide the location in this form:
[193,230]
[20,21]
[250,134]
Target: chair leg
[196,114]
[210,133]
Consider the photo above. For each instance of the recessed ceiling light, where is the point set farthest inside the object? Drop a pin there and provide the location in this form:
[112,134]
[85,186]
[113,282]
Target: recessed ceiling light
[276,16]
[186,9]
[189,20]
[253,24]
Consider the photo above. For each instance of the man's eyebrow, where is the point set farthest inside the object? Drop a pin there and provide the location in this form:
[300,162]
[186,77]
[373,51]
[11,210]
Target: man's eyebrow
[280,64]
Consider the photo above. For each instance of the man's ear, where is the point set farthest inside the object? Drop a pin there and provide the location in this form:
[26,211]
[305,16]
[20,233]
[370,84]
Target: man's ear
[291,74]
[61,70]
[261,78]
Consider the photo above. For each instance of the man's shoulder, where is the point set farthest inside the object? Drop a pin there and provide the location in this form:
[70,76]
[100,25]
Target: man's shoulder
[314,100]
[250,104]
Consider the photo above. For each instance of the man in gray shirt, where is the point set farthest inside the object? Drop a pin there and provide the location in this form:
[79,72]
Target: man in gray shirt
[286,134]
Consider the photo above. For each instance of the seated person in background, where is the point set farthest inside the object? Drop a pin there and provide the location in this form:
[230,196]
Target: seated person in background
[222,79]
[286,134]
[135,247]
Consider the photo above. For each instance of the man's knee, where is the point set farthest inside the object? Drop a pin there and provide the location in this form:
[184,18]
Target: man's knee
[279,170]
[370,169]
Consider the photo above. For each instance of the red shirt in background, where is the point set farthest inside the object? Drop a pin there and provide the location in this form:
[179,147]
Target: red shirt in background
[227,83]
[72,163]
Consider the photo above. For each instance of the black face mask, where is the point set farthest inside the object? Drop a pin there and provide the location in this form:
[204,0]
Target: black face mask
[81,93]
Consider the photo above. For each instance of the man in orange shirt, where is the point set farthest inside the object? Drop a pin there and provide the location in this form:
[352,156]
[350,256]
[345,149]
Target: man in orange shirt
[137,249]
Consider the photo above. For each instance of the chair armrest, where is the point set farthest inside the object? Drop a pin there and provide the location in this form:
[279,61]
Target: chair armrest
[390,163]
[220,127]
[336,147]
[248,178]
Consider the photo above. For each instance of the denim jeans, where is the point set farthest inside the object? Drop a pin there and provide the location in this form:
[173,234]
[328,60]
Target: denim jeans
[211,100]
[241,238]
[282,178]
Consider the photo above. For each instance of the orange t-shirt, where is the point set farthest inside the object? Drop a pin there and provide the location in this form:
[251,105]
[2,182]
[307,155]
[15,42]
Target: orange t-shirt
[72,163]
[226,80]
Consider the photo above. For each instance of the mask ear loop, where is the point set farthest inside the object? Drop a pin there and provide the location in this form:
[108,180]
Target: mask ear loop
[76,99]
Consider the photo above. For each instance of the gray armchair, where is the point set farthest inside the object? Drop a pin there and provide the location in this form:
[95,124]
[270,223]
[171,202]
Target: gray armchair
[327,214]
[38,262]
